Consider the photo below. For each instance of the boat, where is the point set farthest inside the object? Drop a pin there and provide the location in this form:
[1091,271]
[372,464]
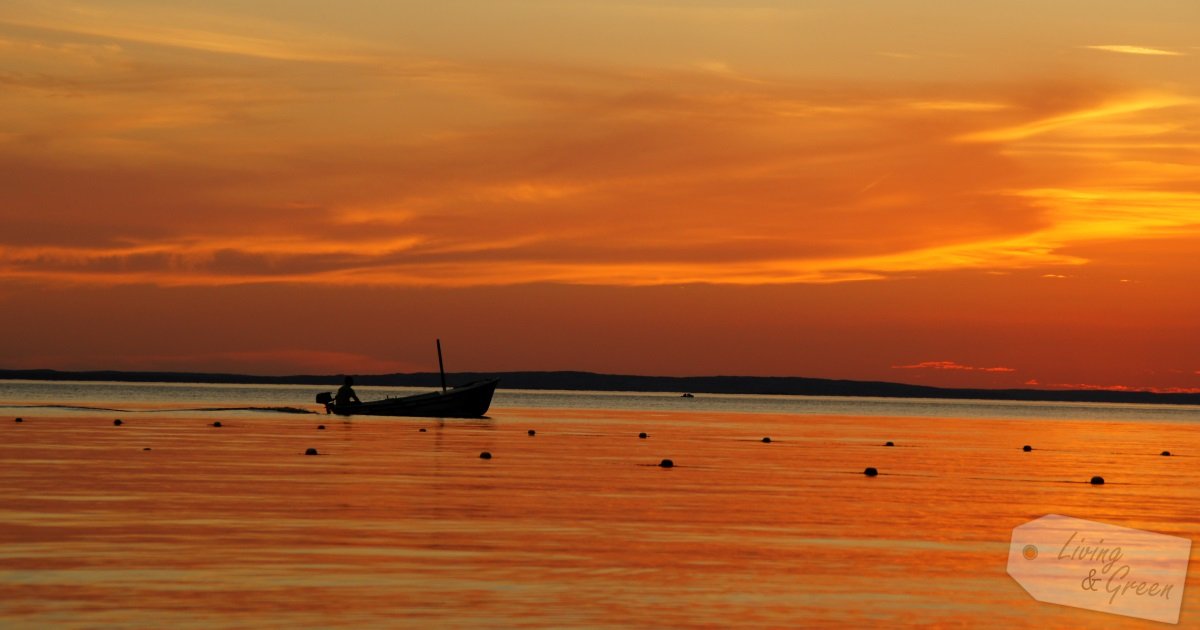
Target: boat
[687,395]
[465,401]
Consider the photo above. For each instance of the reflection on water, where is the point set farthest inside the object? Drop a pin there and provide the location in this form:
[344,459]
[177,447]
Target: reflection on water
[575,526]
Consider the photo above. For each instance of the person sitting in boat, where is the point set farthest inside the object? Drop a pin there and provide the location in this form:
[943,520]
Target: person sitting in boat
[345,394]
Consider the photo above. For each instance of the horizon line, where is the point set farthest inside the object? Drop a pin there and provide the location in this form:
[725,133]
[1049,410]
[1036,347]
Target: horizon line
[226,377]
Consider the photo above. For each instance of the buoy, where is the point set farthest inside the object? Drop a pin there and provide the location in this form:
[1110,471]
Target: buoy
[870,472]
[642,435]
[19,420]
[117,422]
[217,424]
[766,440]
[532,432]
[890,444]
[666,463]
[311,451]
[1166,453]
[320,427]
[146,449]
[485,455]
[421,430]
[1027,448]
[1097,480]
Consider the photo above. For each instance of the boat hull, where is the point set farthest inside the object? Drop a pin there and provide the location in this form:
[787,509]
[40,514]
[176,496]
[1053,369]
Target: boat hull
[467,401]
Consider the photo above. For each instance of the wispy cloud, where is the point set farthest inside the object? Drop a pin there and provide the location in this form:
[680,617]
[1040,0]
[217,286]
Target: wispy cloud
[179,166]
[642,195]
[205,32]
[1123,388]
[960,106]
[698,13]
[271,361]
[950,365]
[1077,117]
[1136,50]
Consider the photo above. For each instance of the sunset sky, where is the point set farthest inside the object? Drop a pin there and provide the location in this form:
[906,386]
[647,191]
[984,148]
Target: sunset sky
[993,193]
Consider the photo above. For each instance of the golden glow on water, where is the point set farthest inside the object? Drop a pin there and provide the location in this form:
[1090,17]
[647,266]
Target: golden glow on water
[573,526]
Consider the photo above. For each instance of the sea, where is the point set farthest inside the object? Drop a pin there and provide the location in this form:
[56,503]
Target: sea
[201,509]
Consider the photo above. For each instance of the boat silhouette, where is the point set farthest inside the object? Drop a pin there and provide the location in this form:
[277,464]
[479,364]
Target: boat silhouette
[465,401]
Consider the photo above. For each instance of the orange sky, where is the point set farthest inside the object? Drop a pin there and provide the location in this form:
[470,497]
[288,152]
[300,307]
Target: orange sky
[970,194]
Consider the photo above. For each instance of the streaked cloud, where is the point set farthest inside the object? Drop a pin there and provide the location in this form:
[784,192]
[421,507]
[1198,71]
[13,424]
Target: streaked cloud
[160,25]
[1124,388]
[288,361]
[1078,117]
[1135,50]
[718,13]
[626,179]
[950,365]
[960,106]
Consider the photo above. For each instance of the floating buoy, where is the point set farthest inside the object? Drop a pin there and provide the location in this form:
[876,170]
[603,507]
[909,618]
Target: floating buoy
[890,444]
[217,424]
[485,455]
[19,420]
[146,449]
[117,422]
[1027,448]
[311,451]
[320,427]
[870,472]
[642,435]
[1097,480]
[532,432]
[421,430]
[666,463]
[1166,453]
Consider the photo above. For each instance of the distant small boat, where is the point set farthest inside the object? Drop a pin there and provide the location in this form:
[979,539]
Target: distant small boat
[467,401]
[687,395]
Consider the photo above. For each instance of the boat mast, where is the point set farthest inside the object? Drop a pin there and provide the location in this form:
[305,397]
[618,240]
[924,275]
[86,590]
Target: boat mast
[441,370]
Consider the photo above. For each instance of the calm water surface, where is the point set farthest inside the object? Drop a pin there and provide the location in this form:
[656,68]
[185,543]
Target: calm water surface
[575,526]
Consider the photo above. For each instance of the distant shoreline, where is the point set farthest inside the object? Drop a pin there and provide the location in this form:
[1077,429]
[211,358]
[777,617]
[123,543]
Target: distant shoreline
[589,381]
